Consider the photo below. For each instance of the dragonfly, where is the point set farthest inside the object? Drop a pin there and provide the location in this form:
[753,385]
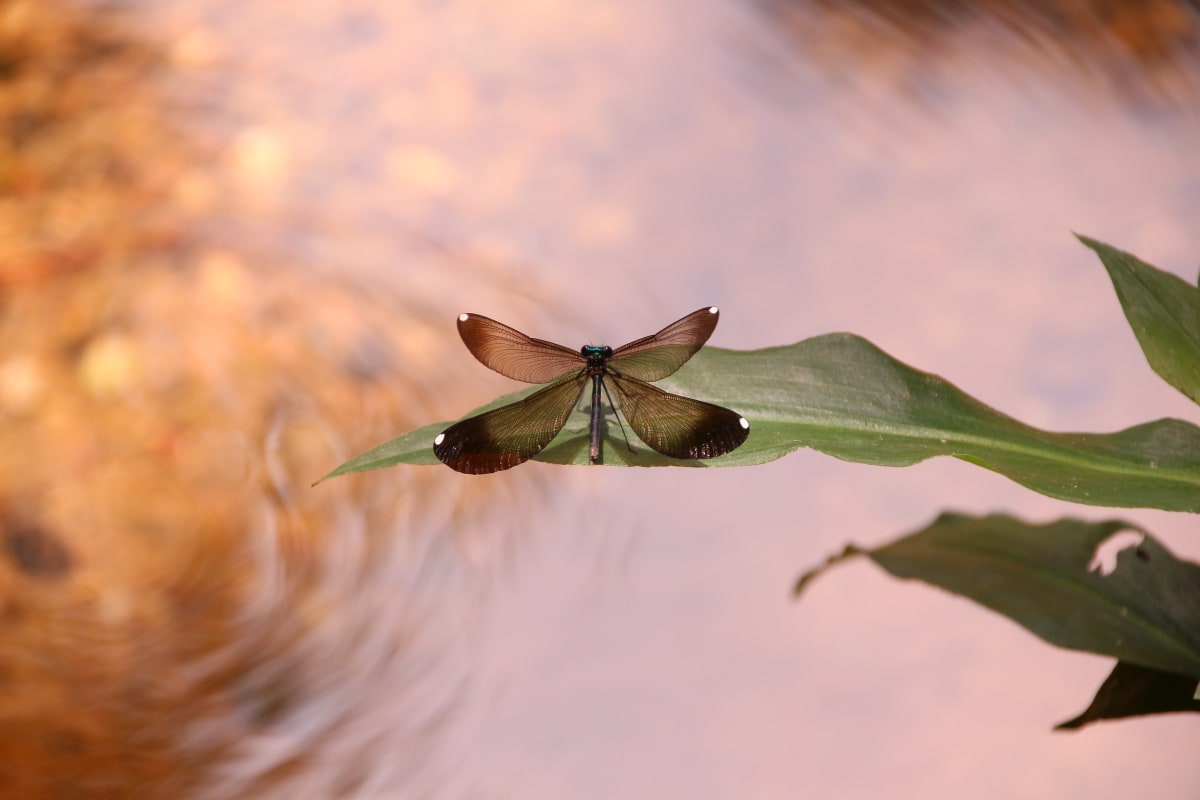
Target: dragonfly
[676,426]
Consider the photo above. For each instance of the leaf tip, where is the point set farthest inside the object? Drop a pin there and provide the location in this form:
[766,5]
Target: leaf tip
[850,551]
[1071,724]
[336,471]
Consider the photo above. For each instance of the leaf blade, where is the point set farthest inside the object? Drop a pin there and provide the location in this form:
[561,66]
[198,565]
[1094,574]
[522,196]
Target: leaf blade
[1164,312]
[843,396]
[1131,690]
[1145,612]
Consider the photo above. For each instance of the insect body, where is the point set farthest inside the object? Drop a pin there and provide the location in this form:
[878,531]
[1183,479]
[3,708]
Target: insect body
[675,426]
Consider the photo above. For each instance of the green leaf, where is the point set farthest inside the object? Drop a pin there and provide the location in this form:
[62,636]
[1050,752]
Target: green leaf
[843,396]
[414,447]
[1146,611]
[1131,690]
[1164,312]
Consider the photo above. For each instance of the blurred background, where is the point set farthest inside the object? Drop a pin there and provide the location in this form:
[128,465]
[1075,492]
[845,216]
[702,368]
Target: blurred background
[234,237]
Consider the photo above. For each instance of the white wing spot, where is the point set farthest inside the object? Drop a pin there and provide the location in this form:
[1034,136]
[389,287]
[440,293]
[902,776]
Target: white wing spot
[440,438]
[712,309]
[463,317]
[742,421]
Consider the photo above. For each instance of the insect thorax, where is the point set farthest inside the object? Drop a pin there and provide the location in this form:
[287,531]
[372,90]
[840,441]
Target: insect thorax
[596,354]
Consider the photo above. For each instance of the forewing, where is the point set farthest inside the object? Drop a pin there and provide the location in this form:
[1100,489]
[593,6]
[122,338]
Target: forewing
[653,358]
[513,354]
[678,426]
[509,435]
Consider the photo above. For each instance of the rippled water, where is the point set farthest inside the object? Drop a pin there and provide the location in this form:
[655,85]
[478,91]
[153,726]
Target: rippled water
[357,174]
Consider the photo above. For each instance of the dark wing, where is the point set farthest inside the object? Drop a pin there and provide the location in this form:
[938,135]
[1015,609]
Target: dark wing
[513,354]
[677,426]
[653,358]
[506,436]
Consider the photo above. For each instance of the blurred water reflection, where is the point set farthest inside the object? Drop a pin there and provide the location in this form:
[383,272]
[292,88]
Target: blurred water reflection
[1144,56]
[248,267]
[183,614]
